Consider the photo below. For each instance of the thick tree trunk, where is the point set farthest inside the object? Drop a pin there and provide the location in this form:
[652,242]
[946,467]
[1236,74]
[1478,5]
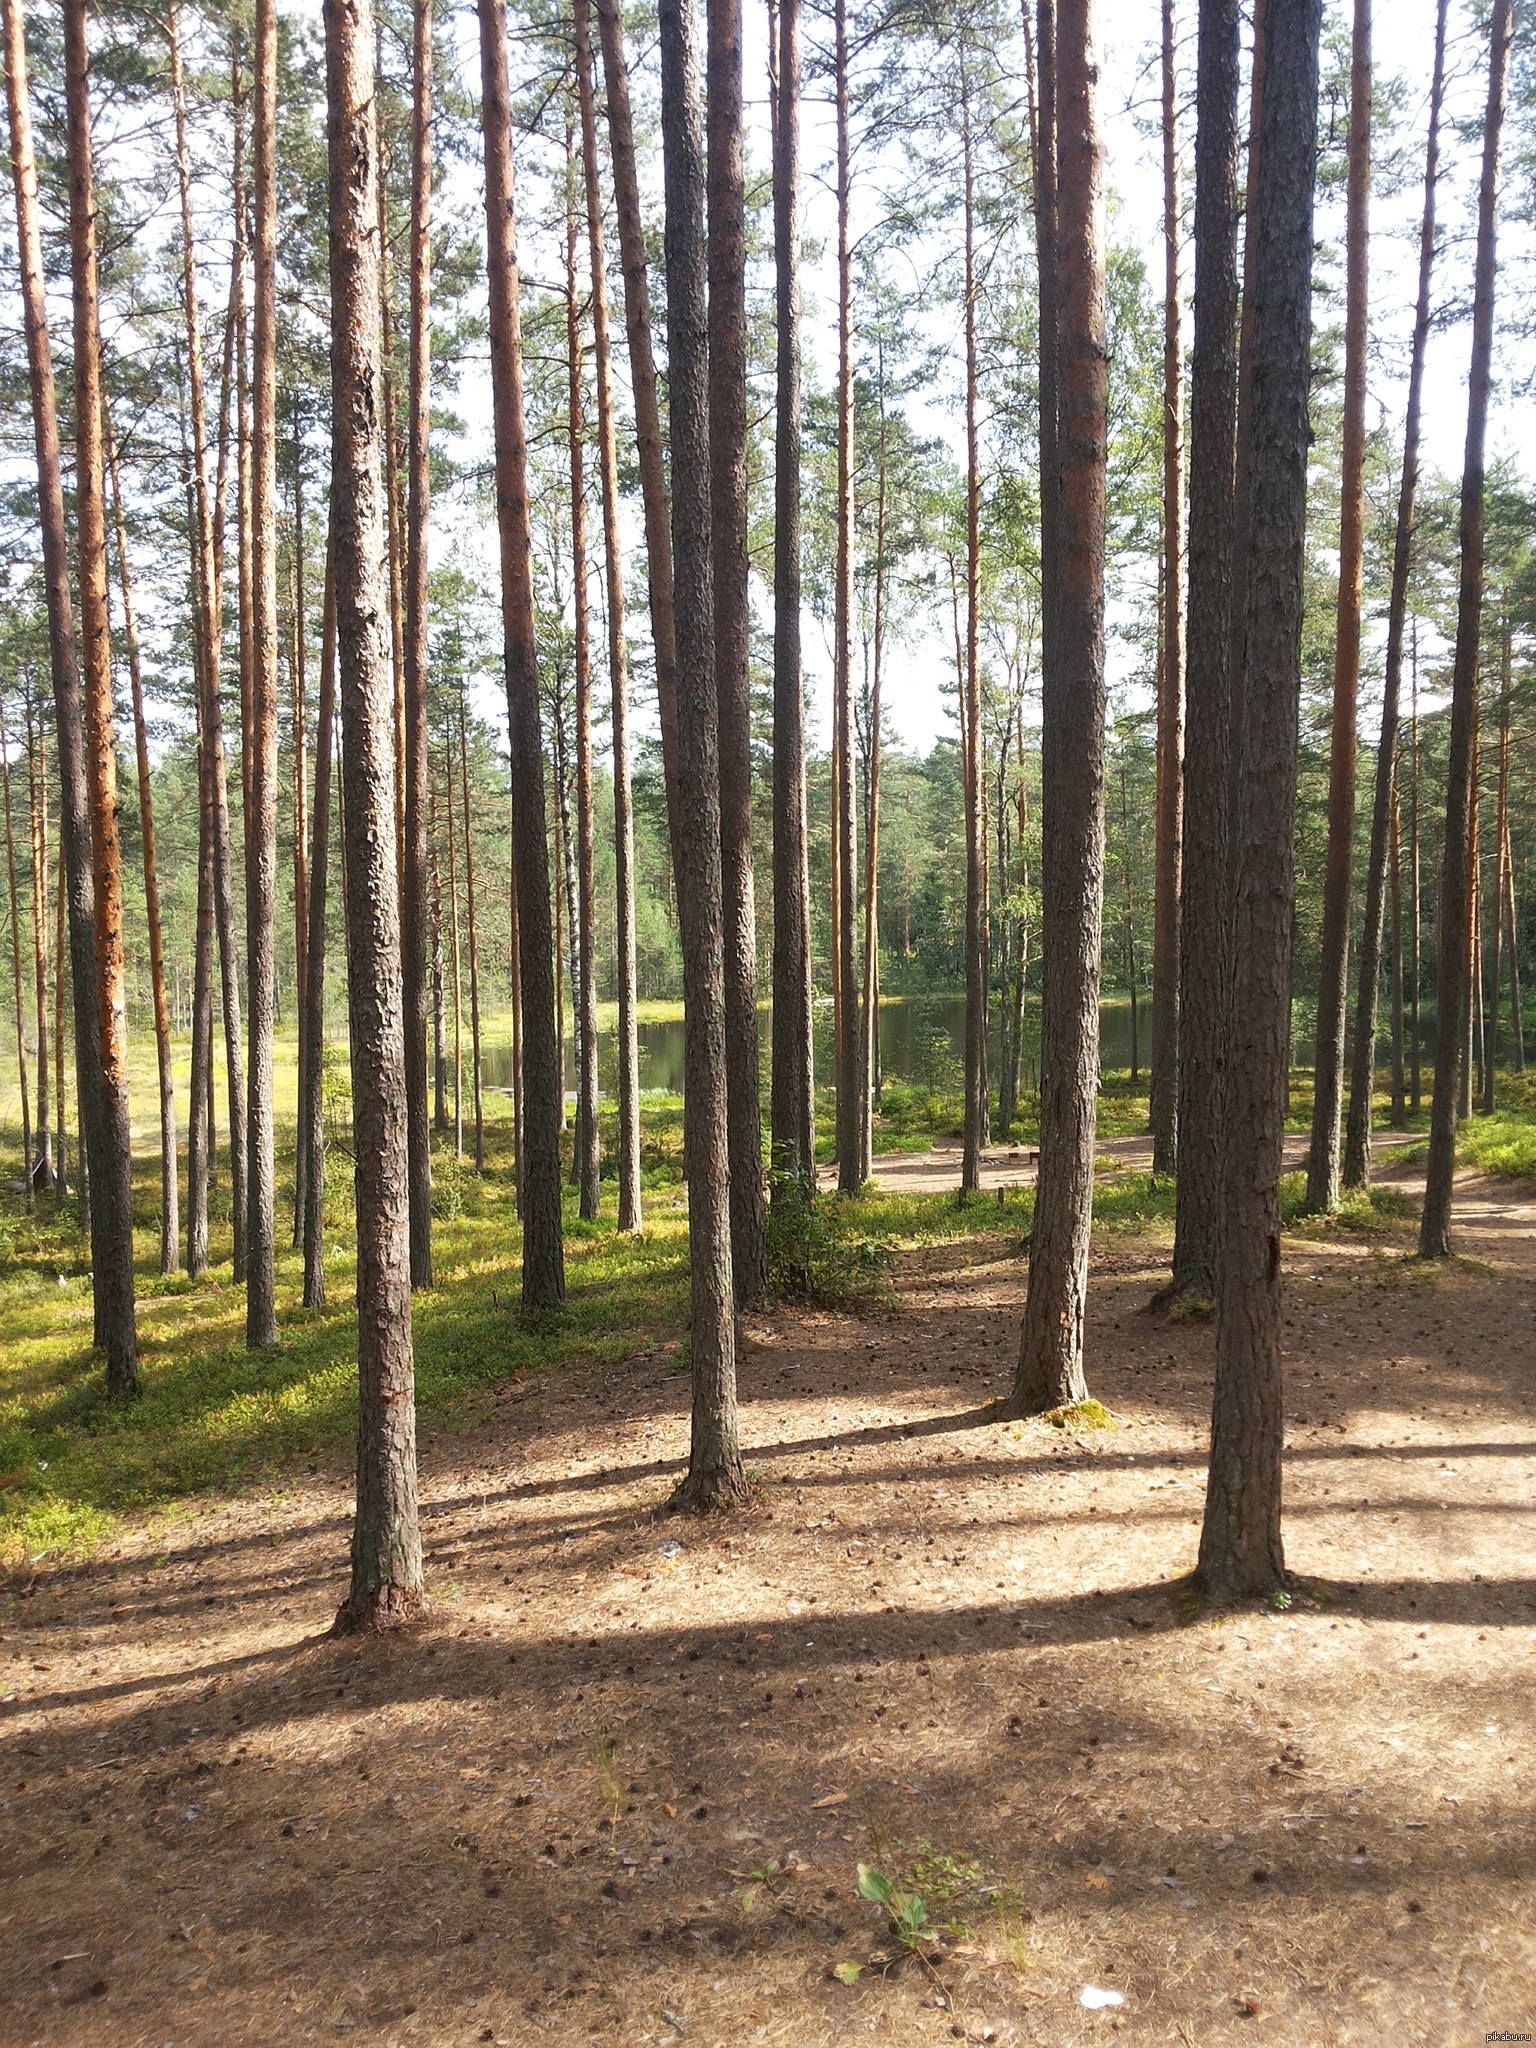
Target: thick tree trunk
[170,1219]
[1242,485]
[727,266]
[386,1586]
[21,1032]
[1170,696]
[715,1477]
[74,813]
[1204,901]
[1050,1371]
[112,1166]
[975,1119]
[587,1160]
[618,659]
[792,1104]
[1240,1548]
[1452,924]
[474,947]
[845,986]
[312,1105]
[1333,967]
[1357,1148]
[543,1091]
[415,925]
[642,370]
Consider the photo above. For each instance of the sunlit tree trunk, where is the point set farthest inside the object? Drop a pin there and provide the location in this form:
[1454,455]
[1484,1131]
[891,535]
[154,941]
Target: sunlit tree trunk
[792,1105]
[439,1017]
[715,1476]
[453,951]
[1500,878]
[1242,489]
[586,1162]
[415,927]
[112,1167]
[1415,964]
[61,1150]
[975,1123]
[1333,968]
[1130,921]
[39,1170]
[21,1029]
[1050,1370]
[1169,853]
[299,748]
[543,1282]
[1471,1051]
[1399,1110]
[474,946]
[1204,900]
[618,659]
[1241,1555]
[869,1014]
[1357,1148]
[200,1135]
[386,1587]
[74,811]
[845,997]
[312,1104]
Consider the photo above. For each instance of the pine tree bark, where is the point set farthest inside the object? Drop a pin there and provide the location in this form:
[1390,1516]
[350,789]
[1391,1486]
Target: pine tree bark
[543,1283]
[439,1017]
[1357,1148]
[869,1011]
[618,658]
[1399,1110]
[1169,853]
[112,1166]
[199,1119]
[1452,924]
[727,265]
[170,1218]
[642,370]
[21,1031]
[845,997]
[74,813]
[792,1104]
[1415,962]
[453,950]
[39,1172]
[61,1150]
[312,1108]
[587,1160]
[975,1118]
[474,947]
[1211,585]
[715,1476]
[1050,1371]
[1323,1182]
[1241,1555]
[386,1588]
[416,921]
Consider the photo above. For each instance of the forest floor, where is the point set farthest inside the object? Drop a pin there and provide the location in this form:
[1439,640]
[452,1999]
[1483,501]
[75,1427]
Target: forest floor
[620,1788]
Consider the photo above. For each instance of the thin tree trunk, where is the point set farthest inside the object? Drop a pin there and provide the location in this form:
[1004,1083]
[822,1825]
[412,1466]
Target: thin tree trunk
[386,1587]
[61,1150]
[1204,900]
[40,1170]
[1508,912]
[74,813]
[1242,491]
[1501,842]
[1130,922]
[474,947]
[1415,966]
[845,988]
[200,1134]
[1333,967]
[453,953]
[543,1282]
[618,660]
[1471,1050]
[415,925]
[394,544]
[300,742]
[1050,1371]
[312,1109]
[587,1159]
[975,1120]
[642,370]
[1395,936]
[516,978]
[715,1476]
[21,1030]
[1169,852]
[869,1015]
[112,1168]
[1241,1555]
[170,1219]
[727,314]
[792,1105]
[439,1020]
[1357,1148]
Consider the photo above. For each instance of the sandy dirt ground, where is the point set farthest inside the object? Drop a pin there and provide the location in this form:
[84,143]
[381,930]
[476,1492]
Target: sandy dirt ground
[618,1791]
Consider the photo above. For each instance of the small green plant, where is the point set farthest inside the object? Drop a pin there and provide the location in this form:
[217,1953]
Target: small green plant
[813,1254]
[906,1912]
[1089,1414]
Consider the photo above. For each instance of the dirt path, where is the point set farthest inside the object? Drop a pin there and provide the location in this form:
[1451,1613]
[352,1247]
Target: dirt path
[540,1821]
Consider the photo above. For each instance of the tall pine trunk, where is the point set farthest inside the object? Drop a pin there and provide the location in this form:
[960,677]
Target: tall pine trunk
[386,1587]
[312,1102]
[543,1283]
[1333,967]
[1240,1547]
[1203,894]
[1357,1147]
[21,1030]
[975,1119]
[474,946]
[1050,1370]
[715,1477]
[845,1003]
[792,1103]
[1452,925]
[111,1166]
[40,1172]
[618,658]
[1169,854]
